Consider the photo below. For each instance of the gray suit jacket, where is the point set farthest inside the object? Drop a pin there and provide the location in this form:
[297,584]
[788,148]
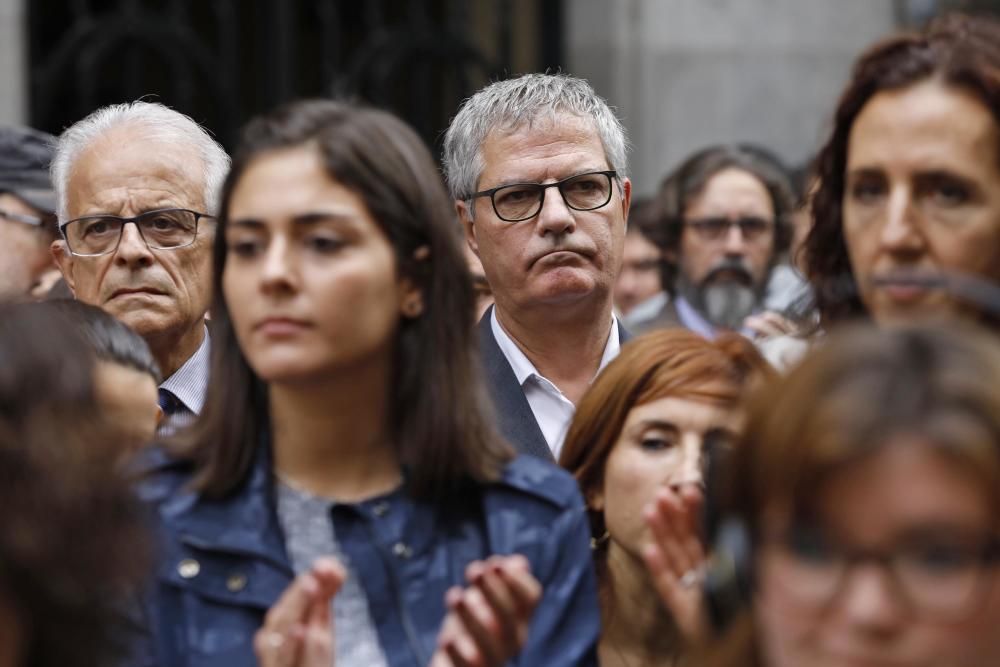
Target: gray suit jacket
[515,419]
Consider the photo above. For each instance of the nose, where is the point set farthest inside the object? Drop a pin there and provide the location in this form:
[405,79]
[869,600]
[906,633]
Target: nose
[690,472]
[279,271]
[869,602]
[900,233]
[132,249]
[736,243]
[555,217]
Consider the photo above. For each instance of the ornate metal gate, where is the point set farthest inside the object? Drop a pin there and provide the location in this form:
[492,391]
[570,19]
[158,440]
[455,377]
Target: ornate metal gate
[221,61]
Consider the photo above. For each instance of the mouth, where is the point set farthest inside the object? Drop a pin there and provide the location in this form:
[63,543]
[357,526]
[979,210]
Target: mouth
[281,327]
[559,256]
[722,276]
[907,288]
[129,291]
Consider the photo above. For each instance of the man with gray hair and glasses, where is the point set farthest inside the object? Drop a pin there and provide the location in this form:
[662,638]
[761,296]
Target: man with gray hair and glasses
[538,171]
[137,187]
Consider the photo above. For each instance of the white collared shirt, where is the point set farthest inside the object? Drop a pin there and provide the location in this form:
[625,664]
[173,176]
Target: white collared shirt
[552,410]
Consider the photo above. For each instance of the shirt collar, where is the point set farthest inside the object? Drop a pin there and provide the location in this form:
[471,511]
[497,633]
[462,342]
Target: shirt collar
[522,366]
[190,382]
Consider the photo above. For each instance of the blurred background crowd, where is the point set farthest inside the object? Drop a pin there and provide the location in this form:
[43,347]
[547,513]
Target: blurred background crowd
[651,332]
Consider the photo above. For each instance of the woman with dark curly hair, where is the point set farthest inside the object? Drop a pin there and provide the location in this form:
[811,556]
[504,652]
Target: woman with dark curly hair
[907,214]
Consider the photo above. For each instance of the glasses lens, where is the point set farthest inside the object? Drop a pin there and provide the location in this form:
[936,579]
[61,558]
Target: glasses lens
[710,229]
[753,228]
[168,229]
[517,202]
[809,568]
[586,191]
[940,579]
[93,236]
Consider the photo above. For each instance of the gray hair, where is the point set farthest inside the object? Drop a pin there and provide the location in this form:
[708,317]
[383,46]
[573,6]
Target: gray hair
[161,123]
[515,103]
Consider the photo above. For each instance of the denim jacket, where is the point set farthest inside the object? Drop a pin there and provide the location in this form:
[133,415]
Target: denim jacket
[223,564]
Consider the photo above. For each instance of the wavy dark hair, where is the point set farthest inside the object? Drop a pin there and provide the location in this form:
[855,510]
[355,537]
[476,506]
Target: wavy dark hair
[961,51]
[440,416]
[689,179]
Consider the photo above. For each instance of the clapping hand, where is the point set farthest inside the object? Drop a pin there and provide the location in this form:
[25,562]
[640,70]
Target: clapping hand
[676,558]
[487,621]
[296,630]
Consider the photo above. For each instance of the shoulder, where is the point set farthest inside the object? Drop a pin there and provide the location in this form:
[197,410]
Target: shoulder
[533,481]
[160,475]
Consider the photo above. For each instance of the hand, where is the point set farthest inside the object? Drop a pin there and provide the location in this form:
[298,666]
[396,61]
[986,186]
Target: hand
[676,559]
[770,324]
[296,630]
[487,622]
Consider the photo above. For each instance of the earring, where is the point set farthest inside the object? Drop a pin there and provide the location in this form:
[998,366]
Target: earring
[598,542]
[412,307]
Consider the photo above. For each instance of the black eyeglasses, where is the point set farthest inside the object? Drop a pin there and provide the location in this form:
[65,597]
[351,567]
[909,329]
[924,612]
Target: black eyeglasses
[164,229]
[941,577]
[714,229]
[521,201]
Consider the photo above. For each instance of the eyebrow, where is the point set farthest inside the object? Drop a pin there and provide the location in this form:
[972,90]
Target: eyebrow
[309,219]
[657,423]
[504,184]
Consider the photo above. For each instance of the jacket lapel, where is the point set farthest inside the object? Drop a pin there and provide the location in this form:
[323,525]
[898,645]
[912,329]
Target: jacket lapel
[514,417]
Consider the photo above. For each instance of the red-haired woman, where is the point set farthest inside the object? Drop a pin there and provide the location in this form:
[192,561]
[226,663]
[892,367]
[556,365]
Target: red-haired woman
[639,437]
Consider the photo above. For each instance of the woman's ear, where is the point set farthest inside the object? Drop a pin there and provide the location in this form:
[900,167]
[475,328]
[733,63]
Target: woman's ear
[411,301]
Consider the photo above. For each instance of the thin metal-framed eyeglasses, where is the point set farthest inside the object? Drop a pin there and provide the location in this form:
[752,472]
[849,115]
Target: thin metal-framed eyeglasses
[941,578]
[717,228]
[521,201]
[162,229]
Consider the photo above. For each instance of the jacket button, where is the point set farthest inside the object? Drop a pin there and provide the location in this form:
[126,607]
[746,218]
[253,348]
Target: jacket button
[381,509]
[401,550]
[236,582]
[188,568]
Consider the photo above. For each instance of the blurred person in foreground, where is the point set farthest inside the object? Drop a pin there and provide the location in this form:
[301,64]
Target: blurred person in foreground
[641,437]
[137,188]
[344,492]
[537,168]
[73,547]
[858,522]
[907,212]
[639,293]
[125,374]
[27,214]
[723,227]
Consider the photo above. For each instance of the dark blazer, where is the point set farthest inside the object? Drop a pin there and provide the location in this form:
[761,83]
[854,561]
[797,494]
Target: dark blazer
[514,416]
[667,318]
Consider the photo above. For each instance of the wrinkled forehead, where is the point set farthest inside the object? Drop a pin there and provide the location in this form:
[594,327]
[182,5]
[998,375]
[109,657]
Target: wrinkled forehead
[128,170]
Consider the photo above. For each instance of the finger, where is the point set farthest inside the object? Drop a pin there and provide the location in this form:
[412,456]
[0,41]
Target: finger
[461,653]
[291,607]
[501,600]
[330,576]
[667,526]
[515,571]
[480,625]
[761,328]
[687,540]
[276,649]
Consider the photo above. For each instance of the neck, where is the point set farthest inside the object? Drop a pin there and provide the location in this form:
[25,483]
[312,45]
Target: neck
[330,437]
[171,353]
[635,622]
[566,349]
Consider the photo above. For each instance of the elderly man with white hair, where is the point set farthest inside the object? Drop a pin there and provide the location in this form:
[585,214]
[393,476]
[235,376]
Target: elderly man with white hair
[137,187]
[537,168]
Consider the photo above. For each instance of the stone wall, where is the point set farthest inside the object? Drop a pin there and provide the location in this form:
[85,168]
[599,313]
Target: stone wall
[688,73]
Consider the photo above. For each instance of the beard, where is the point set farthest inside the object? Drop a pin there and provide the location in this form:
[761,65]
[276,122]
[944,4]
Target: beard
[726,296]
